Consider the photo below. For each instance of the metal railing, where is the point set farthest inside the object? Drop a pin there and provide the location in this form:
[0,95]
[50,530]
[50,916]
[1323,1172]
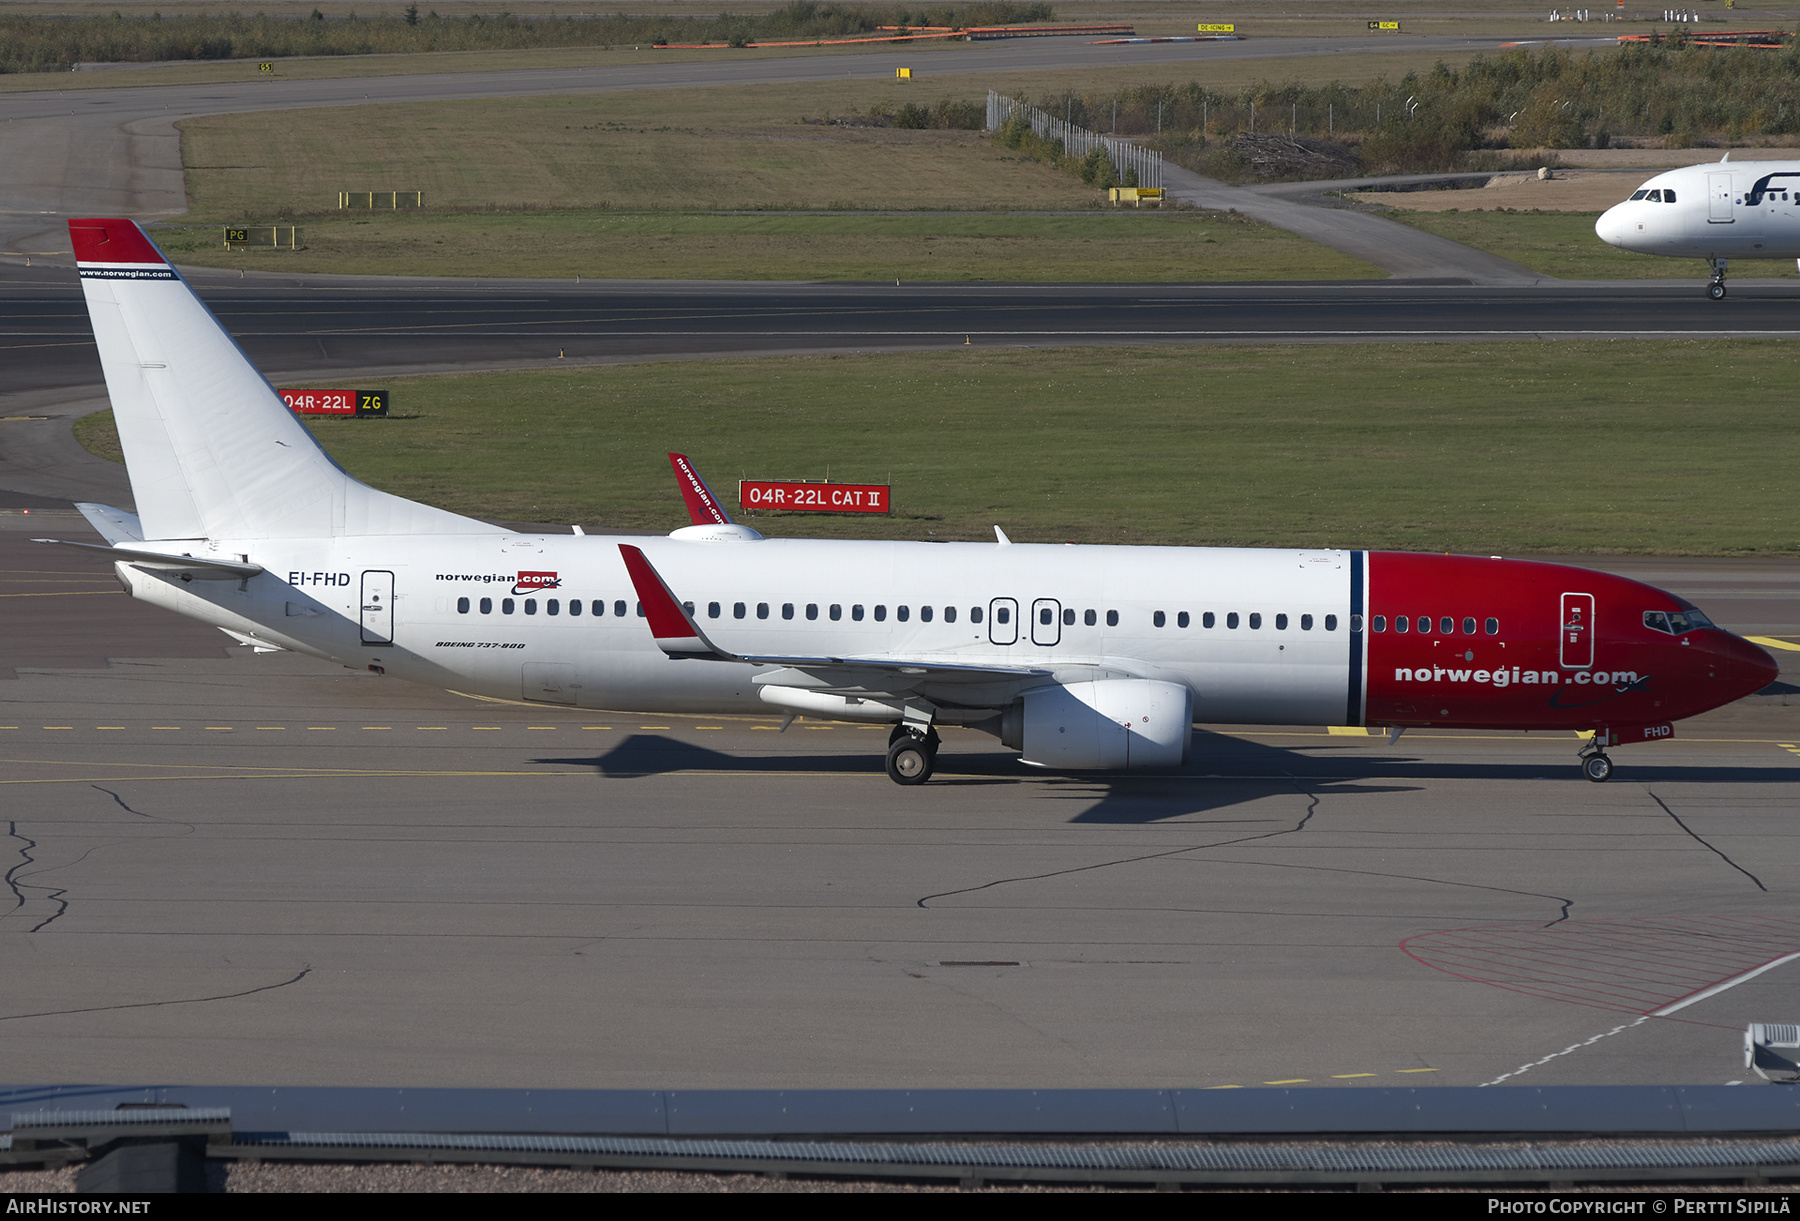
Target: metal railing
[1126,157]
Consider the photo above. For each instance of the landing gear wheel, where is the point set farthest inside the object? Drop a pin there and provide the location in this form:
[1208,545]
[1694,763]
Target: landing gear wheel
[1597,767]
[910,761]
[1716,290]
[930,737]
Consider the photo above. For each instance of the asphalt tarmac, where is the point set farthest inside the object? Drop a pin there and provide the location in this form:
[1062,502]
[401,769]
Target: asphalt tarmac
[342,326]
[245,868]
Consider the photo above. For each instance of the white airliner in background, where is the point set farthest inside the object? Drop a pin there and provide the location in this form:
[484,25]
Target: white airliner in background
[1717,212]
[1078,657]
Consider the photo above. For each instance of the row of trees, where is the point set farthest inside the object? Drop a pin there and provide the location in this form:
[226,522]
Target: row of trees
[52,44]
[1522,98]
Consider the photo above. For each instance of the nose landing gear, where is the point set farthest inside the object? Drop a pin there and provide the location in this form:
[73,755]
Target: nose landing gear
[1716,287]
[1595,764]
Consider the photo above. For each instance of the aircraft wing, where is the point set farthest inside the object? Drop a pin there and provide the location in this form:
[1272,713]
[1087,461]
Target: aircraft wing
[677,634]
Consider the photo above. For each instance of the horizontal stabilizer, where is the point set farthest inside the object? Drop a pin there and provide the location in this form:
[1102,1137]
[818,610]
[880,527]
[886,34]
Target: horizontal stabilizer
[188,567]
[113,525]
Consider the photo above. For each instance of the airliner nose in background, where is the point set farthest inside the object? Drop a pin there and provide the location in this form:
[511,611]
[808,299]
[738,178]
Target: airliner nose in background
[1077,657]
[1715,212]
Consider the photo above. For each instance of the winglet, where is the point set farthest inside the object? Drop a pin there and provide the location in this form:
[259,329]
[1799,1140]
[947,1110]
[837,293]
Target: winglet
[702,505]
[675,631]
[105,246]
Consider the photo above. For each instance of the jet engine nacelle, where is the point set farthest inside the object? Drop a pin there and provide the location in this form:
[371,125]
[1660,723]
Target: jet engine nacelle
[1108,724]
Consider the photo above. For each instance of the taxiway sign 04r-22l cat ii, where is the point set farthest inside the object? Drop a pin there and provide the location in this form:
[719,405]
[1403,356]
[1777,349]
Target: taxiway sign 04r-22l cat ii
[1716,212]
[1078,657]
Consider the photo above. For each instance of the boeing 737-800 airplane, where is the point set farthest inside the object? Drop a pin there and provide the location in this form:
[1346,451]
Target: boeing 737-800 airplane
[1078,657]
[1717,212]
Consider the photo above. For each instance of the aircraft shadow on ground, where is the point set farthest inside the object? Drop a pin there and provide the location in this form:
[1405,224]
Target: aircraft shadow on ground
[1222,772]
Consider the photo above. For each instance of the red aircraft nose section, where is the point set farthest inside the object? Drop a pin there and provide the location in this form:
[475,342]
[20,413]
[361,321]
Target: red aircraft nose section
[1747,668]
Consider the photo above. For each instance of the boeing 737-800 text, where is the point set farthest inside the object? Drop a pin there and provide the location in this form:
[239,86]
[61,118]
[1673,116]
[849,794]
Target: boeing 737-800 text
[1078,657]
[1716,212]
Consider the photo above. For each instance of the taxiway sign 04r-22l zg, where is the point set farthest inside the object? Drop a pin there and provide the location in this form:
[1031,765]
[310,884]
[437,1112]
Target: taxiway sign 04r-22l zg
[1716,212]
[1077,657]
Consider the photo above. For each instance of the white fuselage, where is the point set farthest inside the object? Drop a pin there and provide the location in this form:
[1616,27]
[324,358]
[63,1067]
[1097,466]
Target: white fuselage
[1720,210]
[414,607]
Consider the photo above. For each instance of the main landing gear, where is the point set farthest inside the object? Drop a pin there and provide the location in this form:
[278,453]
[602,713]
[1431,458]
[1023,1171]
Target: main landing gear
[1595,764]
[912,754]
[1716,287]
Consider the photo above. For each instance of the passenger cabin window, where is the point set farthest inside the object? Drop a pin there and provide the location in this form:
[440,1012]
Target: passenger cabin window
[619,609]
[975,615]
[712,610]
[552,606]
[1379,623]
[836,612]
[1331,623]
[1281,623]
[738,610]
[1112,618]
[1402,624]
[531,606]
[950,615]
[506,606]
[880,614]
[1255,621]
[1356,623]
[1181,620]
[574,606]
[1492,626]
[1306,623]
[1069,618]
[462,606]
[1158,618]
[1208,619]
[856,611]
[787,610]
[487,606]
[1447,626]
[925,614]
[902,614]
[1231,620]
[762,610]
[1469,627]
[812,610]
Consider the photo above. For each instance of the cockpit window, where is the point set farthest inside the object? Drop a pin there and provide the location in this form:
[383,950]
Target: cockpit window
[1655,197]
[1668,196]
[1639,194]
[1675,622]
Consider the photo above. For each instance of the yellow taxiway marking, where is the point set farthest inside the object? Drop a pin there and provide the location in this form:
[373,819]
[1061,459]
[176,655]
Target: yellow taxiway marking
[109,727]
[59,727]
[432,727]
[1770,642]
[261,726]
[652,726]
[1416,1070]
[540,727]
[327,728]
[1347,1076]
[1354,731]
[377,726]
[1290,1081]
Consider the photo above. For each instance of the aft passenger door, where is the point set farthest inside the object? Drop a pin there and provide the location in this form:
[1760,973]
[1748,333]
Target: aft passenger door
[378,608]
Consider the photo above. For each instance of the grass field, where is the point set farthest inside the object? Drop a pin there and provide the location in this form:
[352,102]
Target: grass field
[1563,244]
[573,178]
[1126,246]
[1567,448]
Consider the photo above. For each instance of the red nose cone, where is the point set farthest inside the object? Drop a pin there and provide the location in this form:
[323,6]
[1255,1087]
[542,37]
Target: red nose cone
[1747,668]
